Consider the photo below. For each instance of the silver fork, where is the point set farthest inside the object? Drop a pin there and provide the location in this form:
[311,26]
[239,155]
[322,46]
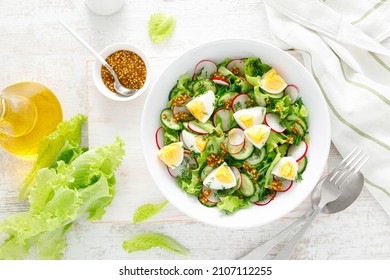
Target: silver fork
[330,191]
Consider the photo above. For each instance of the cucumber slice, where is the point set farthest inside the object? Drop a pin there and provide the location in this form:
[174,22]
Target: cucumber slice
[256,157]
[297,129]
[205,171]
[298,120]
[226,97]
[247,188]
[206,202]
[201,86]
[166,117]
[246,152]
[302,165]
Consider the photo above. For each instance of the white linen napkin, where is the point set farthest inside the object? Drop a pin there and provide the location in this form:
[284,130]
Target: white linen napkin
[340,42]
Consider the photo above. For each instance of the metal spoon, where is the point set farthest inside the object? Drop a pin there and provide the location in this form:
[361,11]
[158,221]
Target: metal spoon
[350,193]
[120,89]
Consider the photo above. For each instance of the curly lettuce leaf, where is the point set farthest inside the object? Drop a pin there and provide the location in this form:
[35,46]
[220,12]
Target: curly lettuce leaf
[230,203]
[161,27]
[254,69]
[147,241]
[147,211]
[50,146]
[60,196]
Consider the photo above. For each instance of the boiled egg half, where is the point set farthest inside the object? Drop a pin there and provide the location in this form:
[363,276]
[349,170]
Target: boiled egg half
[193,142]
[220,178]
[271,82]
[286,168]
[202,107]
[258,135]
[172,155]
[247,118]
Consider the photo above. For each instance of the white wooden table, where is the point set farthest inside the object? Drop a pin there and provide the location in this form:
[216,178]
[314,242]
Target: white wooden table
[33,46]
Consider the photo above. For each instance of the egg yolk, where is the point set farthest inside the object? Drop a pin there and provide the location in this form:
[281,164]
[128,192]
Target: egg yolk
[224,176]
[256,134]
[200,143]
[170,154]
[272,80]
[287,170]
[197,109]
[247,120]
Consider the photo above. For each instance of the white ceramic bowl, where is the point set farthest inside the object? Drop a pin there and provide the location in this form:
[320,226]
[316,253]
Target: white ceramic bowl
[293,72]
[97,71]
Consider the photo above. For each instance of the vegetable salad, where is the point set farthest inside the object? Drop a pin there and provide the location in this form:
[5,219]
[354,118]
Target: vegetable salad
[234,134]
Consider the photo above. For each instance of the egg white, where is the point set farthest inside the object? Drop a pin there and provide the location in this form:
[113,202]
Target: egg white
[212,182]
[208,100]
[265,129]
[189,140]
[279,165]
[257,114]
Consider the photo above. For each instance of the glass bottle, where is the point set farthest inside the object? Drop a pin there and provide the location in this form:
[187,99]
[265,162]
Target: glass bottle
[28,112]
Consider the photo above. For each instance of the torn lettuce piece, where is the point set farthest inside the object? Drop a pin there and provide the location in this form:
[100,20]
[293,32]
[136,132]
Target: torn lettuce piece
[147,211]
[147,241]
[161,27]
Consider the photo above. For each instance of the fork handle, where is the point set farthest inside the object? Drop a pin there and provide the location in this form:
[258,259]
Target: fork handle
[261,251]
[287,251]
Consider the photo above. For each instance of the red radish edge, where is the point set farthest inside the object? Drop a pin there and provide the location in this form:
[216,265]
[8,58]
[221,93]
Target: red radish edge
[208,197]
[239,63]
[159,138]
[287,184]
[237,172]
[298,152]
[242,95]
[293,91]
[242,78]
[241,134]
[220,81]
[193,127]
[209,62]
[273,123]
[232,149]
[270,198]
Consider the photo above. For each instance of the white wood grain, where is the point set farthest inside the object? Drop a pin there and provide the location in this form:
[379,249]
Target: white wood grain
[33,46]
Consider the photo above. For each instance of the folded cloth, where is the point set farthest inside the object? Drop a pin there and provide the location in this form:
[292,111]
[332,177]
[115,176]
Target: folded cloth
[341,43]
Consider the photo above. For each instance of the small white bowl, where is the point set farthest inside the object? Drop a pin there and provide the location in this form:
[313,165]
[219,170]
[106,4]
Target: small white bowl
[98,66]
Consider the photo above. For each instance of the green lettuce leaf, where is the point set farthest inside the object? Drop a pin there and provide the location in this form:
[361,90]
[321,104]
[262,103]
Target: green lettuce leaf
[161,27]
[50,146]
[147,211]
[230,203]
[60,196]
[147,241]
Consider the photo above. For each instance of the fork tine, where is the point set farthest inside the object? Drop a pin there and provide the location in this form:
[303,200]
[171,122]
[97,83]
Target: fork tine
[348,167]
[344,164]
[354,169]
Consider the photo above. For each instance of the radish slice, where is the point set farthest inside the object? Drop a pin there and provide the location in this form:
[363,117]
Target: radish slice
[225,116]
[205,68]
[240,102]
[191,161]
[293,92]
[178,109]
[195,128]
[287,184]
[234,149]
[242,78]
[183,167]
[220,81]
[266,201]
[236,137]
[274,122]
[238,176]
[211,197]
[299,151]
[159,137]
[237,63]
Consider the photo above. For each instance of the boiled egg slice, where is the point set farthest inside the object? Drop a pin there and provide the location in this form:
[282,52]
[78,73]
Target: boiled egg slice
[286,168]
[194,142]
[271,82]
[172,155]
[202,107]
[247,118]
[258,135]
[220,178]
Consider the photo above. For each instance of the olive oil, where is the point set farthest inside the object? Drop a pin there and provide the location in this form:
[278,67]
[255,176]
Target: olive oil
[28,112]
